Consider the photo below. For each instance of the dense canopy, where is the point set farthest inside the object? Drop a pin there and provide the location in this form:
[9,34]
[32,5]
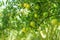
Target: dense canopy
[29,19]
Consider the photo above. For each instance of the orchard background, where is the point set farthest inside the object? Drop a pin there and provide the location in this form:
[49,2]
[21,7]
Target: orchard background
[29,19]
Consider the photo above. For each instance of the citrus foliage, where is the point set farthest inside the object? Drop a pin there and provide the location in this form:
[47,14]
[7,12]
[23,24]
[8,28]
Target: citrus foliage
[29,20]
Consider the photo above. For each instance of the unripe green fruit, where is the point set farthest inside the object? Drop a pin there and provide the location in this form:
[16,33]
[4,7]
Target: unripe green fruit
[54,22]
[32,24]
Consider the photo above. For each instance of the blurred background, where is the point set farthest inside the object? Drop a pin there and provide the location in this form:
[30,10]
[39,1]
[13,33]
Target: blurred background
[29,19]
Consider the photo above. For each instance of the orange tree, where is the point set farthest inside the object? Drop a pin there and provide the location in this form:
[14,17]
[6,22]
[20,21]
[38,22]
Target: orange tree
[29,20]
